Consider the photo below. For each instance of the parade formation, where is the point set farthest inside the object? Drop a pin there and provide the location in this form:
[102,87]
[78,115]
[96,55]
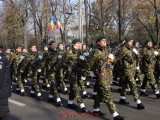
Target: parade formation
[127,63]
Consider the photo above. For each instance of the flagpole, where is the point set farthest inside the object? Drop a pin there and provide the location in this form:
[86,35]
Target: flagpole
[64,32]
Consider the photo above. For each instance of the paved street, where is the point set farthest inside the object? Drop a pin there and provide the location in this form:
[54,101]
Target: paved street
[28,108]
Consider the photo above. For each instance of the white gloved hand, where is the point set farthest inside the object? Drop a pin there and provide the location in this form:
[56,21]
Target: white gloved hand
[155,53]
[21,71]
[111,56]
[40,57]
[59,56]
[135,51]
[137,68]
[22,57]
[81,57]
[86,54]
[83,78]
[39,70]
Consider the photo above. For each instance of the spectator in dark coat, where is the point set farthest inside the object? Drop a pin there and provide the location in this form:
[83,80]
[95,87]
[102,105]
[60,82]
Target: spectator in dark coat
[5,85]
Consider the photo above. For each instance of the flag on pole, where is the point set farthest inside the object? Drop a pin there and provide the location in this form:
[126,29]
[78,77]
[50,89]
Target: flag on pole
[58,24]
[53,23]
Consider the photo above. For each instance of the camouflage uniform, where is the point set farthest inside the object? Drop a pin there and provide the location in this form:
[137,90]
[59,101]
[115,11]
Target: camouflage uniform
[32,61]
[104,78]
[157,69]
[45,65]
[138,75]
[71,58]
[60,71]
[129,65]
[148,63]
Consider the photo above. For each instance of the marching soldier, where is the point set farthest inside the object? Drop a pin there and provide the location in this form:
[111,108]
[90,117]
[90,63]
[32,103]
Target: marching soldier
[127,56]
[71,57]
[148,63]
[32,61]
[102,62]
[60,71]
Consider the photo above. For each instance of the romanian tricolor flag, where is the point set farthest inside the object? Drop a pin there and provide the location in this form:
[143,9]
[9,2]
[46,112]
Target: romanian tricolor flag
[53,23]
[58,24]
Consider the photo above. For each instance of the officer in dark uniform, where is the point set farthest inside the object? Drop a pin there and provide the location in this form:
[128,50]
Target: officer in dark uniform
[5,85]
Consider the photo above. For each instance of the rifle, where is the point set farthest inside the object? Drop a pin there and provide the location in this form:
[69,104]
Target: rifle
[36,61]
[105,65]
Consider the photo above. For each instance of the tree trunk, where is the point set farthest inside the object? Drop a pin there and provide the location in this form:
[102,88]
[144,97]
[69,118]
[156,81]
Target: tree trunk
[87,23]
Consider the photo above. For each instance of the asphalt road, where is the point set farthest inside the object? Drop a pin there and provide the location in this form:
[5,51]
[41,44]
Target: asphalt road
[28,108]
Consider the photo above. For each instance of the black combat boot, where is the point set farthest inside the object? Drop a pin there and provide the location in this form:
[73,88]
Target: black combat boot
[72,106]
[85,96]
[158,96]
[123,101]
[99,114]
[84,110]
[66,92]
[140,106]
[143,94]
[118,118]
[59,104]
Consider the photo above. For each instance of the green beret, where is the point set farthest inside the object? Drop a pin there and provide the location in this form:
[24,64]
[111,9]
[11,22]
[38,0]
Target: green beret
[18,46]
[50,43]
[60,43]
[33,44]
[119,44]
[76,41]
[135,42]
[68,46]
[100,38]
[122,40]
[148,41]
[8,48]
[128,38]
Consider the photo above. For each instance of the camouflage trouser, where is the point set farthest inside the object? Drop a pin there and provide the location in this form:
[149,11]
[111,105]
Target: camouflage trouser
[139,75]
[122,77]
[53,88]
[19,81]
[15,72]
[74,89]
[45,72]
[81,82]
[35,81]
[129,80]
[116,72]
[25,74]
[157,76]
[105,96]
[60,78]
[104,93]
[149,77]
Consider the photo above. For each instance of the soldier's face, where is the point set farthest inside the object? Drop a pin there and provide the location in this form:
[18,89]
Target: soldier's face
[60,47]
[84,47]
[137,44]
[123,42]
[8,51]
[130,43]
[77,45]
[19,49]
[53,45]
[25,50]
[34,49]
[149,44]
[103,42]
[45,48]
[68,48]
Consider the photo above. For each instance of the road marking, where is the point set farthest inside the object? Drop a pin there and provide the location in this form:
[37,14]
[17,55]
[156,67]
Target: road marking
[17,103]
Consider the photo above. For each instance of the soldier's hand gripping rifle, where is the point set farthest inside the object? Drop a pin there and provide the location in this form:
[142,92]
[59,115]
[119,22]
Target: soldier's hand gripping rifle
[106,64]
[37,60]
